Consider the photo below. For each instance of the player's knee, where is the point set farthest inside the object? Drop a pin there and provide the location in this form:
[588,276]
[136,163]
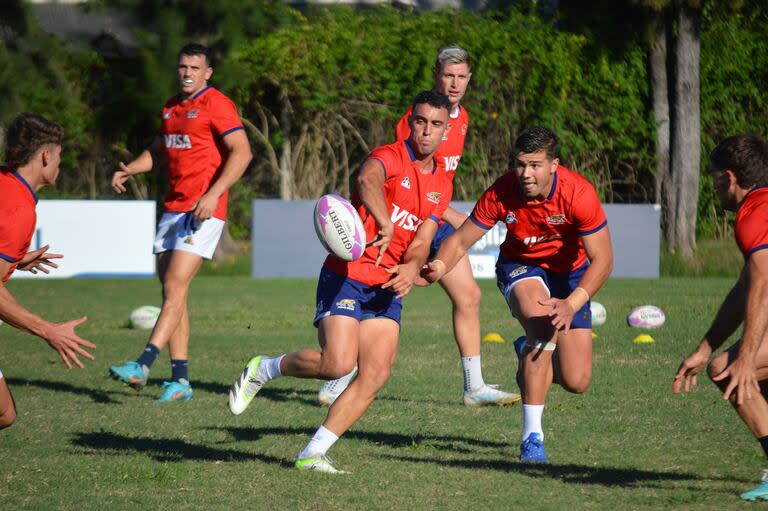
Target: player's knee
[335,369]
[578,385]
[375,377]
[716,366]
[470,298]
[8,418]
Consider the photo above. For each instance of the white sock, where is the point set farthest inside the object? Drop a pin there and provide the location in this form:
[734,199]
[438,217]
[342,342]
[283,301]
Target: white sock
[272,367]
[320,443]
[473,374]
[532,420]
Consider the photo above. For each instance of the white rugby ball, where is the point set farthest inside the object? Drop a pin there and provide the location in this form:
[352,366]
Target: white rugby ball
[646,316]
[339,227]
[144,317]
[599,314]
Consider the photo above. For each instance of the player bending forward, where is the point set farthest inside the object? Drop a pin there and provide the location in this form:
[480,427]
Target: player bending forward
[739,169]
[556,255]
[33,154]
[359,303]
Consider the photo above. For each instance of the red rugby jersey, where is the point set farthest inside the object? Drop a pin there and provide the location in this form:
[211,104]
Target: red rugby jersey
[548,233]
[17,217]
[412,198]
[193,131]
[452,146]
[752,222]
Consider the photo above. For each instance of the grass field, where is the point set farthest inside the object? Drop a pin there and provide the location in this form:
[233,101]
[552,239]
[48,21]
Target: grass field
[84,442]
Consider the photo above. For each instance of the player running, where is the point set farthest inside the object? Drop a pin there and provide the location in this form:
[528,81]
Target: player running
[556,255]
[739,169]
[452,73]
[33,155]
[401,192]
[206,149]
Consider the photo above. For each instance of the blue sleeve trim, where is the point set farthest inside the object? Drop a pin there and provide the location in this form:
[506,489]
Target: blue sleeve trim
[8,258]
[757,249]
[435,219]
[230,131]
[593,231]
[479,223]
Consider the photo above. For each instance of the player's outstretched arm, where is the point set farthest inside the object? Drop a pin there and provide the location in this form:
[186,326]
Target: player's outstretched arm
[239,157]
[727,320]
[453,217]
[452,250]
[143,163]
[60,336]
[600,253]
[742,372]
[406,273]
[369,182]
[37,260]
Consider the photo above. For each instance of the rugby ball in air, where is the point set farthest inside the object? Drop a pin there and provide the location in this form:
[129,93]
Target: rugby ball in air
[599,314]
[144,317]
[646,316]
[339,227]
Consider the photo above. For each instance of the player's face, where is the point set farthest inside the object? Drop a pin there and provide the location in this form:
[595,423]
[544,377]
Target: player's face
[194,73]
[725,181]
[428,124]
[534,173]
[51,161]
[452,80]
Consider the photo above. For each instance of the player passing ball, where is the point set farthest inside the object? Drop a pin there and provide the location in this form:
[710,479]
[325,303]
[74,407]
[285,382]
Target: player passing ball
[557,254]
[401,193]
[33,155]
[739,169]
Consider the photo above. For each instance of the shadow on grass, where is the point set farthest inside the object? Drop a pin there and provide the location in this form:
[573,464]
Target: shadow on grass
[97,395]
[452,443]
[164,449]
[574,474]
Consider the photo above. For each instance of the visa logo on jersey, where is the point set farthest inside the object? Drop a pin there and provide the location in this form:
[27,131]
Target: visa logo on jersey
[532,240]
[404,219]
[451,162]
[177,141]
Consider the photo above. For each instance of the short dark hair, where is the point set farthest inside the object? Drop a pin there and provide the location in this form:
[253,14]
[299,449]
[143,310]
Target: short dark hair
[193,49]
[432,98]
[745,155]
[27,133]
[538,138]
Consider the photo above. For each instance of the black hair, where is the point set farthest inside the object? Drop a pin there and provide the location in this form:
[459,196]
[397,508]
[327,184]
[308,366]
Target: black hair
[27,133]
[538,138]
[193,49]
[432,98]
[744,155]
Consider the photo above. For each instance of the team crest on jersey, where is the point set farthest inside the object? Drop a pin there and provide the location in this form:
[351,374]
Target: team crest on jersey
[406,183]
[434,197]
[511,218]
[346,304]
[556,219]
[167,115]
[192,114]
[177,141]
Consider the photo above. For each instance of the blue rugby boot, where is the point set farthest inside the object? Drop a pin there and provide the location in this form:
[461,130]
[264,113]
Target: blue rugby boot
[532,449]
[131,373]
[759,493]
[175,391]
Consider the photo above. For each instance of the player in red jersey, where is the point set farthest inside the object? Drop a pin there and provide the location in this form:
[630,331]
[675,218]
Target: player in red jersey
[555,224]
[452,73]
[206,150]
[739,169]
[401,192]
[33,154]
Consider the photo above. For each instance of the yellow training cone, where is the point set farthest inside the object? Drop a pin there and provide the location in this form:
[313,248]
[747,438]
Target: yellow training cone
[594,336]
[493,337]
[643,339]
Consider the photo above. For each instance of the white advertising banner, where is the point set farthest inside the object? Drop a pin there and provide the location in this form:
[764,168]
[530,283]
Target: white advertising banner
[97,238]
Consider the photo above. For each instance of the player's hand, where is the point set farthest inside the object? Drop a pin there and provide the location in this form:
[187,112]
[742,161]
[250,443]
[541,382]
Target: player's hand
[383,239]
[433,271]
[119,178]
[685,379]
[62,338]
[561,313]
[37,260]
[743,379]
[204,208]
[405,275]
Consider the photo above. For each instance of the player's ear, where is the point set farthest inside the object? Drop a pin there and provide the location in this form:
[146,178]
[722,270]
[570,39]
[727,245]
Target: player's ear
[208,73]
[555,164]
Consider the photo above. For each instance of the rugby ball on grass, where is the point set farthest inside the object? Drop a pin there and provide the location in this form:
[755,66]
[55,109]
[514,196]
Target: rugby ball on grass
[646,316]
[599,314]
[339,227]
[144,317]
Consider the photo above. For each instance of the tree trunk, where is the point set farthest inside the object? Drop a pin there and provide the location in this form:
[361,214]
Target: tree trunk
[660,86]
[686,129]
[286,171]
